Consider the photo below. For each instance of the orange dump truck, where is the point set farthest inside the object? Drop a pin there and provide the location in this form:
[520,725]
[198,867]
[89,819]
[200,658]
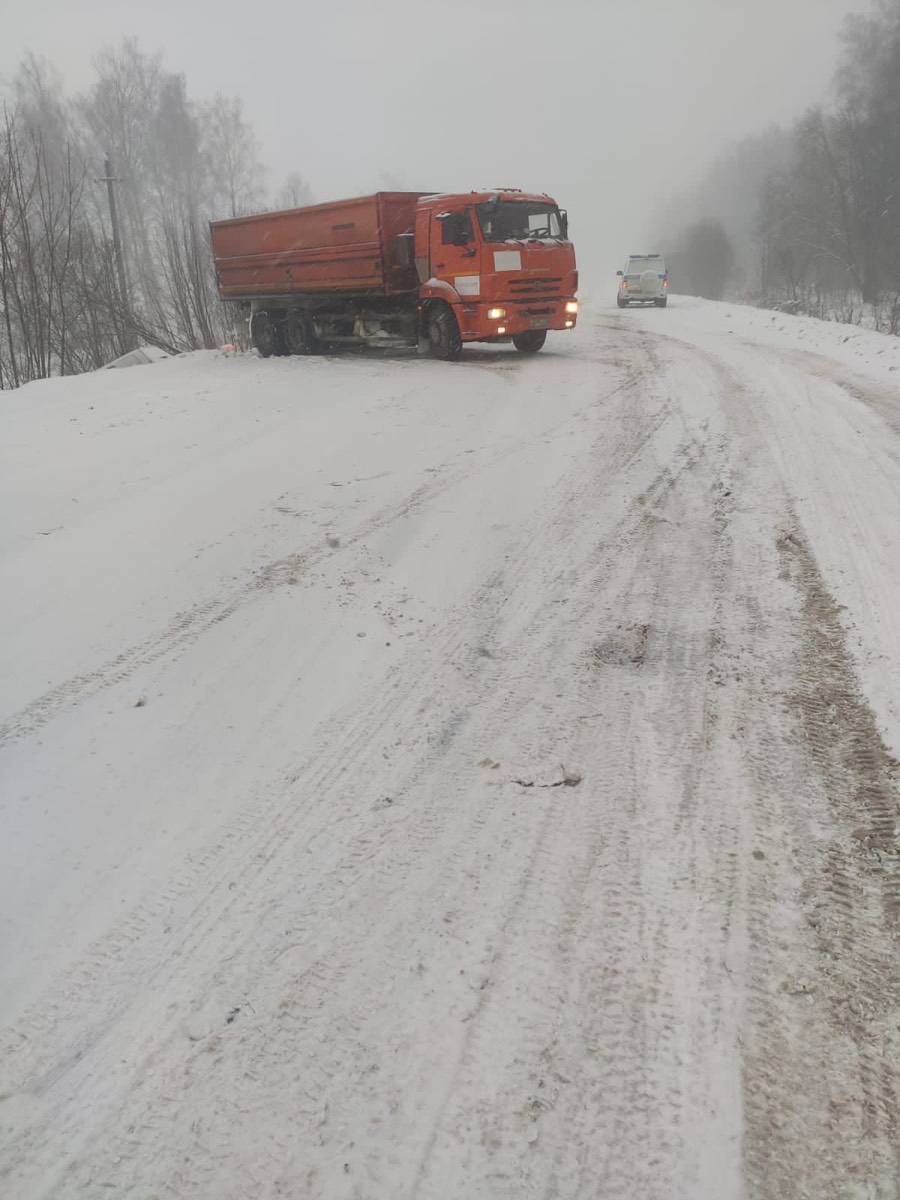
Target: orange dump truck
[397,268]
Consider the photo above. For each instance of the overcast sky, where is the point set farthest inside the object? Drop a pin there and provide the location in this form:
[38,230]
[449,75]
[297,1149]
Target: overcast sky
[609,105]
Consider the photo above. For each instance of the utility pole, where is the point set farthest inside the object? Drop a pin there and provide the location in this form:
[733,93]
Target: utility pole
[110,180]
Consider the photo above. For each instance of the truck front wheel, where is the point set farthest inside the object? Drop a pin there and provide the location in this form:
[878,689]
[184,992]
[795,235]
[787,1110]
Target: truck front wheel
[264,335]
[530,342]
[443,333]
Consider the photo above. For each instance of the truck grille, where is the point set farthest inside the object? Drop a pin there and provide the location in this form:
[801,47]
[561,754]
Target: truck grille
[537,288]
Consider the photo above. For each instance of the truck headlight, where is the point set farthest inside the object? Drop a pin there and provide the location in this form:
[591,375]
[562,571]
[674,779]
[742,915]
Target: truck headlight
[572,306]
[496,314]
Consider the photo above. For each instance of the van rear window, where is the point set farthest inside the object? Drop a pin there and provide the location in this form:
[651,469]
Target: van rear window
[639,265]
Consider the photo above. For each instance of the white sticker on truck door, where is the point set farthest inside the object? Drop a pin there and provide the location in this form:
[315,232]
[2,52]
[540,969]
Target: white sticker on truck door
[467,285]
[507,260]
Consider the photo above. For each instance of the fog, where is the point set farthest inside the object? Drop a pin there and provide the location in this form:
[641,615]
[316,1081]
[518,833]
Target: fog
[607,105]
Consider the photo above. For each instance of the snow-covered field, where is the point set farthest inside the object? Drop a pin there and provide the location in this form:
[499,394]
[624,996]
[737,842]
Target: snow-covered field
[428,781]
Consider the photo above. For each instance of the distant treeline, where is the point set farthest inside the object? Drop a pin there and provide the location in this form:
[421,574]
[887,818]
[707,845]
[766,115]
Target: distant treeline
[809,218]
[66,303]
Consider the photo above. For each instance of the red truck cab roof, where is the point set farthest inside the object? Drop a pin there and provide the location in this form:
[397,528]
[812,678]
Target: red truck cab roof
[501,194]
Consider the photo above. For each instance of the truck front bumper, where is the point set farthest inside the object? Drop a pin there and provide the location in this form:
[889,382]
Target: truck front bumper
[501,321]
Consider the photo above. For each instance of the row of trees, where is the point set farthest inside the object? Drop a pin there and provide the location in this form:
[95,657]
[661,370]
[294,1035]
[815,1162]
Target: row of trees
[703,261]
[830,220]
[66,304]
[812,215]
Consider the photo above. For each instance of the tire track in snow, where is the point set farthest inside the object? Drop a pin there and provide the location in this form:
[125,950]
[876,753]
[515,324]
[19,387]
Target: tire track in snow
[882,400]
[590,1069]
[821,1042]
[823,1050]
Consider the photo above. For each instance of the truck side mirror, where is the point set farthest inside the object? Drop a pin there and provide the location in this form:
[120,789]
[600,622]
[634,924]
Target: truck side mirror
[564,223]
[404,249]
[619,272]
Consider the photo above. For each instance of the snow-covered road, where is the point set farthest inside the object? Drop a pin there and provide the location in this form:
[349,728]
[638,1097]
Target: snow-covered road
[428,781]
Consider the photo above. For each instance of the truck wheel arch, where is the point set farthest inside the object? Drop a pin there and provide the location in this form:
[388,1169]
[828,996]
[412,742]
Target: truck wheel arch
[439,289]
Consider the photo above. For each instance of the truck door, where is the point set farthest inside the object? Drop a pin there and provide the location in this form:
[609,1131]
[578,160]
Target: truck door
[454,251]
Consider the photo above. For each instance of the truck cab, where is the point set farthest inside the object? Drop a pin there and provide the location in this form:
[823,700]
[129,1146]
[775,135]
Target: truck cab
[501,262]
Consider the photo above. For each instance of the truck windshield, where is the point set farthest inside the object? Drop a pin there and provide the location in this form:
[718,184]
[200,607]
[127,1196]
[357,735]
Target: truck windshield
[518,221]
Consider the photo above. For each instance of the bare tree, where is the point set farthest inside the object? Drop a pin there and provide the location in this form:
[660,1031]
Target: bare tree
[231,153]
[829,224]
[703,260]
[295,193]
[41,190]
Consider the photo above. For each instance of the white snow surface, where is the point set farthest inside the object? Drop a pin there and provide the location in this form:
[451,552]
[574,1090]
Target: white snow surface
[426,781]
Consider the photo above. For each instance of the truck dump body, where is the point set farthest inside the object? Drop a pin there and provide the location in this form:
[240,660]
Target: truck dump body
[348,246]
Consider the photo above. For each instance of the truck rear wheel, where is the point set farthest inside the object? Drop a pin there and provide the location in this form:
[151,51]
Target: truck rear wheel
[531,341]
[443,333]
[264,335]
[298,335]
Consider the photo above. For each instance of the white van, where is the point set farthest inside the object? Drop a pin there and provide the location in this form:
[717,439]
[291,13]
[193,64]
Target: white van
[645,280]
